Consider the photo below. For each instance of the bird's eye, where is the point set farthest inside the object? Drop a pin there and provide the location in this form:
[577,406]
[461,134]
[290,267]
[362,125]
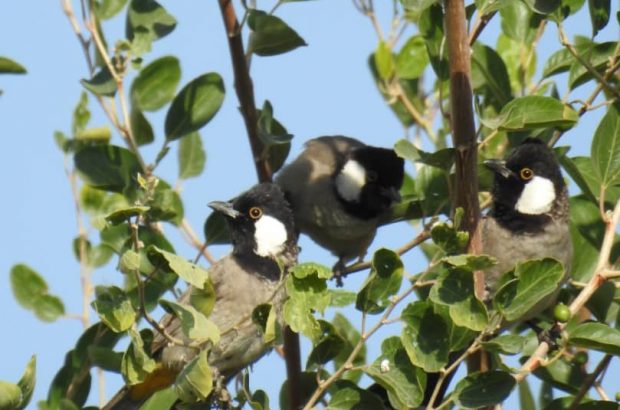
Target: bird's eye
[526,174]
[255,212]
[371,176]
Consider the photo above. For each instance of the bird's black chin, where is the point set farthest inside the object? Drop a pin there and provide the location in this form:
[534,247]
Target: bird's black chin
[518,222]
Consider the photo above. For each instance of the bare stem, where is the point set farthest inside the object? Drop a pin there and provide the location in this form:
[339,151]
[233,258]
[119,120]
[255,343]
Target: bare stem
[589,381]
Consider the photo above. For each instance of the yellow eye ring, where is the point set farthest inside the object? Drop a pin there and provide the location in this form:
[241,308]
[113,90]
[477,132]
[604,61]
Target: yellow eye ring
[255,212]
[526,174]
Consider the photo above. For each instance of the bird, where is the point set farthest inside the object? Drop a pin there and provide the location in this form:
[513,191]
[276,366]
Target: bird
[528,219]
[339,188]
[529,215]
[264,243]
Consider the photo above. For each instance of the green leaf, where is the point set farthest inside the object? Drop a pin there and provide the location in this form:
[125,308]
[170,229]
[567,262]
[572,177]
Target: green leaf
[519,23]
[430,25]
[599,14]
[203,299]
[341,298]
[580,170]
[274,136]
[216,229]
[506,344]
[425,336]
[27,285]
[470,262]
[192,156]
[100,135]
[489,74]
[412,59]
[195,325]
[136,364]
[141,128]
[102,83]
[156,84]
[561,374]
[385,278]
[351,336]
[597,336]
[105,358]
[605,152]
[483,389]
[329,345]
[404,383]
[10,396]
[123,214]
[106,9]
[543,7]
[526,399]
[8,66]
[443,158]
[270,35]
[265,316]
[81,114]
[449,239]
[259,400]
[195,381]
[348,395]
[31,291]
[306,296]
[107,167]
[147,21]
[192,274]
[194,105]
[166,204]
[384,61]
[27,383]
[114,308]
[537,279]
[307,269]
[597,55]
[520,59]
[162,399]
[532,112]
[455,289]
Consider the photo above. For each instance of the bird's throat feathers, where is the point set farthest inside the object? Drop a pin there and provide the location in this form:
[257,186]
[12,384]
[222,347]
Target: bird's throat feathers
[350,181]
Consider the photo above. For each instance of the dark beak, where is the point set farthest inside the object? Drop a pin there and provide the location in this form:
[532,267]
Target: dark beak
[224,208]
[499,167]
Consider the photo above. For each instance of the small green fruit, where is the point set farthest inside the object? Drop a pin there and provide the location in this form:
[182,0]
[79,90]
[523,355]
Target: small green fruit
[561,313]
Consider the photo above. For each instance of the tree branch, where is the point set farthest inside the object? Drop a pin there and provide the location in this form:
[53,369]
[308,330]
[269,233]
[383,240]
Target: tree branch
[589,381]
[244,88]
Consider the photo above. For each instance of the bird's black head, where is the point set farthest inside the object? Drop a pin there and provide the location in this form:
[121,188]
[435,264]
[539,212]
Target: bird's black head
[528,188]
[261,227]
[369,180]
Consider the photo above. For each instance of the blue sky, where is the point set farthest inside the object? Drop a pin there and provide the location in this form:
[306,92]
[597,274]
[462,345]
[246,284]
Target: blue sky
[323,89]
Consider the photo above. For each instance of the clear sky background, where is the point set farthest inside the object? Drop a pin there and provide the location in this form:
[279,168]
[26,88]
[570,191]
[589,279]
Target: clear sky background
[323,89]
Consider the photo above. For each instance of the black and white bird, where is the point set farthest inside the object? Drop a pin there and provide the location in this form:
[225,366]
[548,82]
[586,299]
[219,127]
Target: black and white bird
[338,188]
[529,218]
[264,242]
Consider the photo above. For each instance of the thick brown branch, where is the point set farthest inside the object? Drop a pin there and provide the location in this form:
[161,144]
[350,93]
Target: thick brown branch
[244,88]
[462,117]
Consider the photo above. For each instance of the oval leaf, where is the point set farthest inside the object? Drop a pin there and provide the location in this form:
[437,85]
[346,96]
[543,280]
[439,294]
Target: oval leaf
[194,106]
[425,336]
[8,66]
[107,167]
[484,389]
[195,325]
[270,35]
[156,83]
[597,336]
[531,112]
[114,308]
[384,281]
[192,274]
[606,147]
[195,382]
[537,279]
[192,156]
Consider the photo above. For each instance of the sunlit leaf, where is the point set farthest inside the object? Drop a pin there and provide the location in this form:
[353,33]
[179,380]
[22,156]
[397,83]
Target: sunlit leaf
[192,156]
[156,83]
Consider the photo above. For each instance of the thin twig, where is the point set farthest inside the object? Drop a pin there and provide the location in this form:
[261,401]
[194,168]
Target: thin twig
[359,266]
[589,380]
[479,26]
[348,364]
[191,237]
[571,49]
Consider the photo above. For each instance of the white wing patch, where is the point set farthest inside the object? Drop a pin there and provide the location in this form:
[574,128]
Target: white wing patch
[351,180]
[270,236]
[537,197]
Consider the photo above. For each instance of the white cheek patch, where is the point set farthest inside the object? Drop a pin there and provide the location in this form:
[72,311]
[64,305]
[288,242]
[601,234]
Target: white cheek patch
[351,180]
[270,236]
[537,197]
